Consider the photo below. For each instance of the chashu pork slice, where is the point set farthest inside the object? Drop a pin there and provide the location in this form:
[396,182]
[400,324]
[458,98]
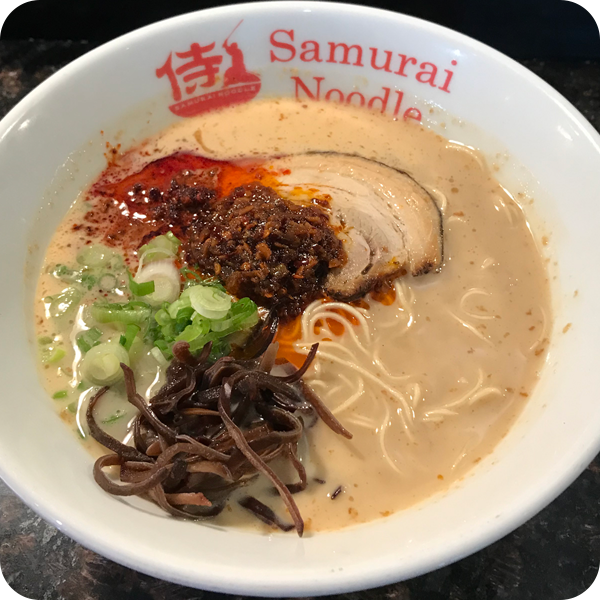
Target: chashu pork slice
[388,222]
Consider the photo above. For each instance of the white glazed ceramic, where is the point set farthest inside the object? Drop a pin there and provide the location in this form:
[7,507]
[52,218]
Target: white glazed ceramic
[50,146]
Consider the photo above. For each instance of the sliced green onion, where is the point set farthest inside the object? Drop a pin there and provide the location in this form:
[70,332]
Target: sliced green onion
[166,324]
[137,348]
[164,347]
[208,301]
[88,280]
[132,312]
[95,256]
[159,248]
[199,327]
[243,315]
[107,282]
[72,408]
[63,273]
[213,282]
[60,394]
[165,279]
[83,386]
[160,357]
[118,414]
[203,313]
[130,332]
[45,341]
[162,317]
[184,314]
[140,289]
[116,263]
[53,355]
[102,364]
[64,303]
[88,339]
[199,343]
[173,239]
[219,348]
[182,302]
[137,304]
[190,277]
[84,277]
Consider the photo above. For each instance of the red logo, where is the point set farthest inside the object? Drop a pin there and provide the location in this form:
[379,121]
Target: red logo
[194,72]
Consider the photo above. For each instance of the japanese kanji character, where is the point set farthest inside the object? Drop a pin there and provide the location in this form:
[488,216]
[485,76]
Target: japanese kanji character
[208,64]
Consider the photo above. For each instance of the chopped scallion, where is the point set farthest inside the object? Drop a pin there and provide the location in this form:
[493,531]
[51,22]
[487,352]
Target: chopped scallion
[60,394]
[186,319]
[102,364]
[159,356]
[107,282]
[95,256]
[53,355]
[165,278]
[118,414]
[64,303]
[132,312]
[130,332]
[164,348]
[140,289]
[208,301]
[159,248]
[88,339]
[189,275]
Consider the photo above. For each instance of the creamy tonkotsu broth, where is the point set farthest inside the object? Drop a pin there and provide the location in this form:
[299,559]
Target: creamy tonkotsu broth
[428,374]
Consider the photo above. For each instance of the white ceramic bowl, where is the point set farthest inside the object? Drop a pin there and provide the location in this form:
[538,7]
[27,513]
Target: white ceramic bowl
[50,146]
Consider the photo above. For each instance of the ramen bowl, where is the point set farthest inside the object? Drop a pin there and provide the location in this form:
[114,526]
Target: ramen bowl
[54,142]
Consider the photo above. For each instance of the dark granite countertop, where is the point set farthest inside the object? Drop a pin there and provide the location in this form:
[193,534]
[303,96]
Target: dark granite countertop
[554,556]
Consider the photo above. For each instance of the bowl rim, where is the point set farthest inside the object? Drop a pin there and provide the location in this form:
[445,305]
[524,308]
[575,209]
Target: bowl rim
[360,578]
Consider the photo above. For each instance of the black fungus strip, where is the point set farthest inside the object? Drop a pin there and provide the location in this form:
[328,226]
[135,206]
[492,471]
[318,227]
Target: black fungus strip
[134,398]
[192,449]
[125,452]
[267,360]
[302,370]
[181,351]
[171,403]
[323,412]
[159,496]
[212,428]
[261,338]
[264,513]
[262,467]
[293,456]
[155,477]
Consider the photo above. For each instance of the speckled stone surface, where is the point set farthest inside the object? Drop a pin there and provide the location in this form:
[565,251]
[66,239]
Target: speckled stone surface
[554,556]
